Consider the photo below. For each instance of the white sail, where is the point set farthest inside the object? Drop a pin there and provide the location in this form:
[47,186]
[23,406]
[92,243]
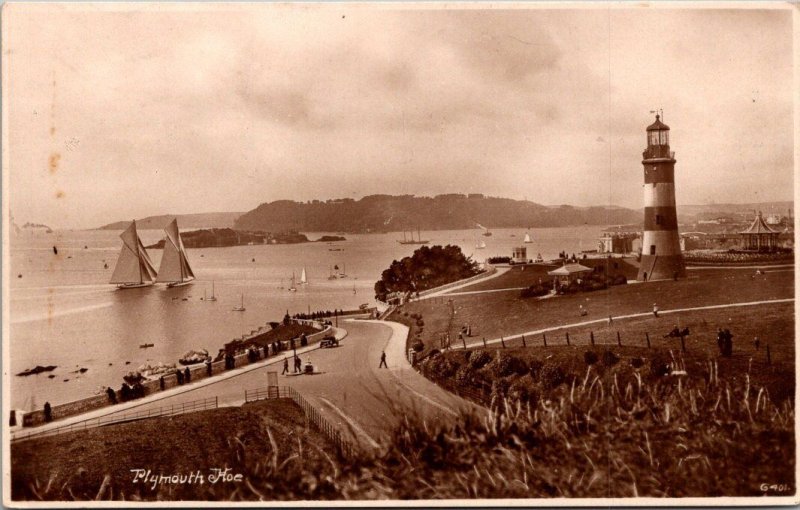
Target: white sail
[303,279]
[174,264]
[133,265]
[527,238]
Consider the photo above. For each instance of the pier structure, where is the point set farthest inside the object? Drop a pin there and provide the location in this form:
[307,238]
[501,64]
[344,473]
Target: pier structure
[661,249]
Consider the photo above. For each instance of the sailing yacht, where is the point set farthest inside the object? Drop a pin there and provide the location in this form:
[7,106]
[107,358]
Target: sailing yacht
[213,297]
[481,245]
[303,279]
[134,268]
[527,239]
[292,287]
[241,307]
[175,270]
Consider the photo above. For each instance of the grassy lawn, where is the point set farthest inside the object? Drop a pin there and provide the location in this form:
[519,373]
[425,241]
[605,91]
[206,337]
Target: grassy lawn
[505,313]
[525,276]
[73,465]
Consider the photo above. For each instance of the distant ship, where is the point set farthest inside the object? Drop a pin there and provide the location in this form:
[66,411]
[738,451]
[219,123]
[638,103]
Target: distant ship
[175,269]
[486,231]
[292,287]
[134,268]
[303,279]
[419,239]
[527,239]
[240,308]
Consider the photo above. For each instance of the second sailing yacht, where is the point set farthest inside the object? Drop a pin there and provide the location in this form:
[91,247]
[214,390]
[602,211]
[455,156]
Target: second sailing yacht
[174,269]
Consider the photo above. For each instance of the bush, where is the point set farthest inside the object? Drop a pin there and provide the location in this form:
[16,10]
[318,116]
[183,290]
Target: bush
[434,352]
[658,366]
[274,325]
[637,362]
[418,346]
[535,368]
[420,323]
[590,357]
[610,359]
[506,365]
[551,376]
[479,359]
[463,375]
[523,389]
[535,291]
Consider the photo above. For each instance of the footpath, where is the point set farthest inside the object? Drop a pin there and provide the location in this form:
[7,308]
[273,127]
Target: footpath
[167,397]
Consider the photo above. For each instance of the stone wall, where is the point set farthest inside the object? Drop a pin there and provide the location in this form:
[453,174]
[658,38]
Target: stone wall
[199,372]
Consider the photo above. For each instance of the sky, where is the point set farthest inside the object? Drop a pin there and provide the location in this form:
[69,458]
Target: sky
[123,111]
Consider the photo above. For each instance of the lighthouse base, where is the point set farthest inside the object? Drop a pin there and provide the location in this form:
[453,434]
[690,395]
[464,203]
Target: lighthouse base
[664,267]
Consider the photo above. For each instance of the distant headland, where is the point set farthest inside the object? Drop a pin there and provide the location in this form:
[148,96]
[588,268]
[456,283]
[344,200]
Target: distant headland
[393,213]
[223,237]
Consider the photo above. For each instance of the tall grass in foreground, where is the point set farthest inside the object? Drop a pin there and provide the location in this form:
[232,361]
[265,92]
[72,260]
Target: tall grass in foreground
[593,437]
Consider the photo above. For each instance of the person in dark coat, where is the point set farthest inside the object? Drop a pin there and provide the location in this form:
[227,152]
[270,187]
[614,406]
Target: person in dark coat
[285,366]
[187,375]
[48,412]
[297,364]
[383,361]
[208,368]
[179,376]
[161,382]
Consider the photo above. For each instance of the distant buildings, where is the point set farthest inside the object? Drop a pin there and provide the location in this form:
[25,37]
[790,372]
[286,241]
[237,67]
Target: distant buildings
[519,255]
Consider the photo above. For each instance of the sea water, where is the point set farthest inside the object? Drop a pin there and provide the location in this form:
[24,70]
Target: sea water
[64,312]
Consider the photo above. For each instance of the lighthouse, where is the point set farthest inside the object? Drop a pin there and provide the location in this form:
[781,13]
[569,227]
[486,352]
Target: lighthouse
[661,250]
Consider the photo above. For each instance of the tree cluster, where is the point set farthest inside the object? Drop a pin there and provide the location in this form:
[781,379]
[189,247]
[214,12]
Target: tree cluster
[428,267]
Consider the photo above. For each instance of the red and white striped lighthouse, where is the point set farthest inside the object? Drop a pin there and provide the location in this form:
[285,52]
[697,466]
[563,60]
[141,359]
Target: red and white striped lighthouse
[661,250]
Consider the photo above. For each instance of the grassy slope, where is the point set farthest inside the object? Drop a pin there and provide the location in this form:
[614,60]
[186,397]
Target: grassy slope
[525,276]
[173,445]
[505,313]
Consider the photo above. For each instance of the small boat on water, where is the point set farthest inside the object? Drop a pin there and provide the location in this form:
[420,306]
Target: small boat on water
[527,239]
[303,278]
[174,270]
[145,346]
[292,287]
[134,268]
[240,308]
[481,245]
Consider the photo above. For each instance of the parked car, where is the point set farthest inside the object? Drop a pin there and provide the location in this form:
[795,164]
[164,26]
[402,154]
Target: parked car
[329,341]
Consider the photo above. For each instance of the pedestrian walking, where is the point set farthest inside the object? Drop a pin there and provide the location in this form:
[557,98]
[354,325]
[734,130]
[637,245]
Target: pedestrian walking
[383,361]
[48,412]
[187,375]
[655,310]
[297,364]
[161,382]
[285,366]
